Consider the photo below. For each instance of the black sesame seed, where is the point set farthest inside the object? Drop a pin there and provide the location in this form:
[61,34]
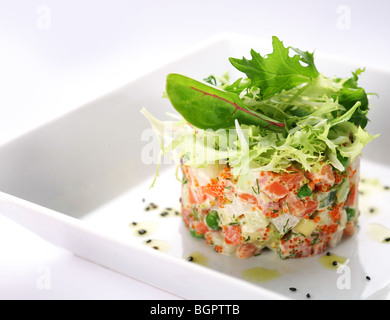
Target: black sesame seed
[368,278]
[134,223]
[292,289]
[386,239]
[149,241]
[177,213]
[142,231]
[328,253]
[386,187]
[372,210]
[334,263]
[155,247]
[308,295]
[169,208]
[147,208]
[180,199]
[190,258]
[143,199]
[164,213]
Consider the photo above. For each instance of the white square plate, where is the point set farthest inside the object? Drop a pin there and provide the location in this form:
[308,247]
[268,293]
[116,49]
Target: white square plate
[79,183]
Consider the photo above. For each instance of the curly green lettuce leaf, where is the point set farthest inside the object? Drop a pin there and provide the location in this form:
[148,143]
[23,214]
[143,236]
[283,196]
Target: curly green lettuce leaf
[277,71]
[285,112]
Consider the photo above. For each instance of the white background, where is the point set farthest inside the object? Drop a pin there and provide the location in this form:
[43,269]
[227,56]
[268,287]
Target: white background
[56,55]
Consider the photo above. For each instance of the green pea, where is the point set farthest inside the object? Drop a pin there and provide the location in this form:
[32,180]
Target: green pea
[212,220]
[304,191]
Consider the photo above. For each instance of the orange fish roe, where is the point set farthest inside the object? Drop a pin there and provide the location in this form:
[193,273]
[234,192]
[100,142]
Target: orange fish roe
[325,188]
[330,229]
[196,183]
[209,238]
[335,213]
[214,181]
[317,219]
[337,177]
[218,249]
[225,174]
[271,214]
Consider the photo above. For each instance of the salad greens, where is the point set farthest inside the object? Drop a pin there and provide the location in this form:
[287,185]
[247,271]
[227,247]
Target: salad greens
[284,111]
[193,100]
[277,71]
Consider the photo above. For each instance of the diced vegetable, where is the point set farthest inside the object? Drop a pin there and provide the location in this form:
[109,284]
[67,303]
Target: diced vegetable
[326,199]
[342,193]
[305,227]
[304,191]
[350,213]
[232,234]
[212,220]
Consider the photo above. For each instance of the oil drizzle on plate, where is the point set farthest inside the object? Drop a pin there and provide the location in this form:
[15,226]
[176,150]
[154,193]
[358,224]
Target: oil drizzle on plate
[143,228]
[378,233]
[332,261]
[199,258]
[170,212]
[156,244]
[259,274]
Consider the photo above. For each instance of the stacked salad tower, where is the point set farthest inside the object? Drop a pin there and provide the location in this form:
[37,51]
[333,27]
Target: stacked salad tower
[270,160]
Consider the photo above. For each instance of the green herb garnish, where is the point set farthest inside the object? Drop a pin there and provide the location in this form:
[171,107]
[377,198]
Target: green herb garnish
[278,71]
[304,191]
[257,191]
[284,111]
